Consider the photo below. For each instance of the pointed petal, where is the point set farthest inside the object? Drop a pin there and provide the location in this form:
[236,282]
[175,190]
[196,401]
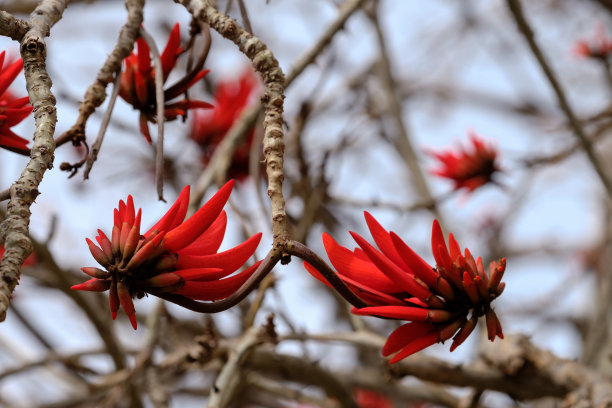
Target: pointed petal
[229,260]
[464,332]
[113,299]
[98,253]
[383,240]
[438,247]
[455,249]
[401,336]
[8,74]
[216,290]
[93,285]
[210,240]
[171,51]
[349,266]
[415,345]
[94,272]
[126,303]
[402,278]
[416,264]
[201,274]
[405,313]
[175,215]
[189,230]
[162,280]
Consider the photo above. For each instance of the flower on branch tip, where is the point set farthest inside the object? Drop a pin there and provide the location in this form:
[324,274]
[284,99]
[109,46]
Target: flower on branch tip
[209,127]
[12,109]
[469,167]
[174,256]
[598,47]
[397,283]
[138,82]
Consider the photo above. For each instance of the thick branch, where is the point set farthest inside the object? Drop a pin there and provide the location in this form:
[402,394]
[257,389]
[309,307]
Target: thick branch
[12,27]
[14,229]
[266,64]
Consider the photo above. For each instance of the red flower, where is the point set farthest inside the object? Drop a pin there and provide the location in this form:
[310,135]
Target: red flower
[468,168]
[371,399]
[173,256]
[138,82]
[210,127]
[599,46]
[396,283]
[12,110]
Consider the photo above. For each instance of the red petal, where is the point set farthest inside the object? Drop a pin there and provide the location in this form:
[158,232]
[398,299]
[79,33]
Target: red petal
[113,300]
[171,51]
[383,240]
[394,312]
[93,285]
[202,274]
[415,263]
[414,346]
[350,266]
[14,116]
[402,278]
[404,334]
[455,249]
[144,58]
[216,290]
[438,247]
[175,215]
[229,260]
[210,240]
[8,74]
[126,303]
[189,230]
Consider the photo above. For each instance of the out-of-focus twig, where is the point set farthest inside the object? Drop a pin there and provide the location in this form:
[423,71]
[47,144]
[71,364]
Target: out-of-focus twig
[523,26]
[160,107]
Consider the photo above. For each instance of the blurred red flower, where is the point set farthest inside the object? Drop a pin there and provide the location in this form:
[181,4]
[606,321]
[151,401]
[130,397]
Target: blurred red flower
[12,109]
[210,127]
[469,167]
[397,283]
[599,46]
[138,82]
[171,257]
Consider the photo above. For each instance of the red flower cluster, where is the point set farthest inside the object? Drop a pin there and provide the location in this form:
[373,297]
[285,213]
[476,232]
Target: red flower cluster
[138,83]
[599,47]
[210,127]
[172,257]
[468,168]
[397,283]
[12,110]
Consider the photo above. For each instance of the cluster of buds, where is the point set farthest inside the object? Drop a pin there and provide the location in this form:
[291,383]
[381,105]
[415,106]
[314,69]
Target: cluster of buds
[469,167]
[397,283]
[12,109]
[172,257]
[138,82]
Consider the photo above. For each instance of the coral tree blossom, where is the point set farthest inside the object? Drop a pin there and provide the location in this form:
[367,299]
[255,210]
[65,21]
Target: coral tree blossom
[138,82]
[397,283]
[469,167]
[12,109]
[599,47]
[174,256]
[210,126]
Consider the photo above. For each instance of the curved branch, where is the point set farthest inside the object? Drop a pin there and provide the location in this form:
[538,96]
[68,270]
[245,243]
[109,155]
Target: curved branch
[215,307]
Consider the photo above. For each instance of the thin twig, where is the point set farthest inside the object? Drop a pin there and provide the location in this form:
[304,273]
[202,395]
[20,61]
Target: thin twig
[95,148]
[96,92]
[160,106]
[523,26]
[12,27]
